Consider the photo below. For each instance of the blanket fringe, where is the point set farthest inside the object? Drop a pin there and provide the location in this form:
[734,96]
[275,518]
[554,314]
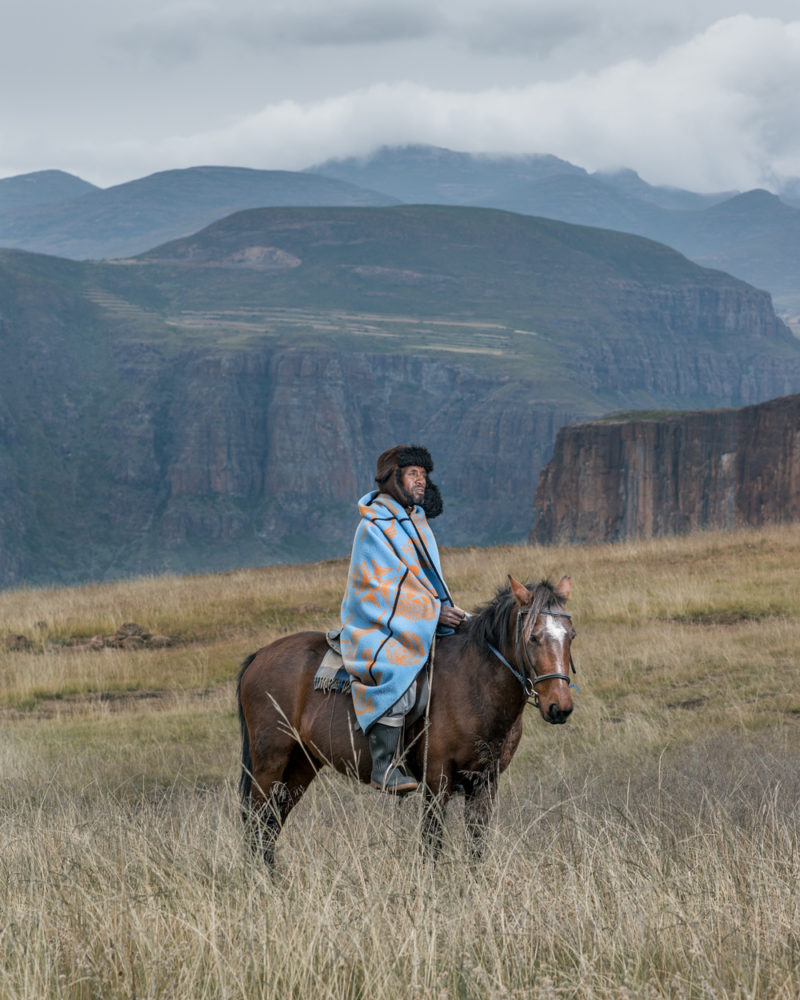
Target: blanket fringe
[340,684]
[332,674]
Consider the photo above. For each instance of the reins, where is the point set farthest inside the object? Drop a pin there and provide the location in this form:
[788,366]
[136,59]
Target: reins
[523,658]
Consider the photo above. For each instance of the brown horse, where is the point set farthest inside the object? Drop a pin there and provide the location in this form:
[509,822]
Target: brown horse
[514,648]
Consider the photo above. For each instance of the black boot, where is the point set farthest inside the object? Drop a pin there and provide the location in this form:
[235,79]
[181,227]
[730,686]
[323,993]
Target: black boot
[386,775]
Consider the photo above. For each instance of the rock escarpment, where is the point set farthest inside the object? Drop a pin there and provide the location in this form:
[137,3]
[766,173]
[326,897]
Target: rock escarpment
[719,469]
[260,456]
[197,410]
[676,366]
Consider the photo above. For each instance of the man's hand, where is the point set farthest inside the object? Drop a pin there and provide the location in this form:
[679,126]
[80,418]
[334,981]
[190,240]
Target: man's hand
[451,617]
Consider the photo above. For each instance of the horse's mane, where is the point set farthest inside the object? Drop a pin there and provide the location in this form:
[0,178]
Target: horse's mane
[489,623]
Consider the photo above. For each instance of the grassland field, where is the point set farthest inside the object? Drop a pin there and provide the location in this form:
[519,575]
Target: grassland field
[647,849]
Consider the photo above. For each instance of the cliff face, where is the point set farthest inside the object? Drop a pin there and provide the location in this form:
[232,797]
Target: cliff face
[211,460]
[678,365]
[609,481]
[194,410]
[264,453]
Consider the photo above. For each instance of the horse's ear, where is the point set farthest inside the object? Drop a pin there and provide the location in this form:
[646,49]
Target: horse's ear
[522,595]
[563,588]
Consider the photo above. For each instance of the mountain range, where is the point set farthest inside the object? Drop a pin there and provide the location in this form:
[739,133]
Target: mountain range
[220,400]
[96,223]
[753,235]
[422,174]
[40,188]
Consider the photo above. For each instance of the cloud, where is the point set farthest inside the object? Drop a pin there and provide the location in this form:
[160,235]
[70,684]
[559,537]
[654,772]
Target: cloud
[535,30]
[189,28]
[356,23]
[717,112]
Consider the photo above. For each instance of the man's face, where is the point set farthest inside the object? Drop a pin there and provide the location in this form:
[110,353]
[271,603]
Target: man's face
[413,479]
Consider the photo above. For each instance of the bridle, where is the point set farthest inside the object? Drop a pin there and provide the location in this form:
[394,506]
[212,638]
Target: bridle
[523,658]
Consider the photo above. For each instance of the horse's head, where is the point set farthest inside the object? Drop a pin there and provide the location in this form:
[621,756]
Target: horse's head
[543,633]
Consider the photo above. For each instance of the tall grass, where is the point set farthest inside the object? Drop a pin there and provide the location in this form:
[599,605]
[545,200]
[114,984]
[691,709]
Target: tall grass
[648,849]
[671,890]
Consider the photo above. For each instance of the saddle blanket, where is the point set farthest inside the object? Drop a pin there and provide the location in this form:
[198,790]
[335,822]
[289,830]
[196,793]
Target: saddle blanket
[331,674]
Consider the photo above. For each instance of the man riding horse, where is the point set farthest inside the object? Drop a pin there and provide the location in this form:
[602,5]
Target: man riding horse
[396,601]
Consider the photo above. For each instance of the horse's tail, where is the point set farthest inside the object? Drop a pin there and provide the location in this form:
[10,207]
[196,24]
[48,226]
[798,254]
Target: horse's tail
[246,777]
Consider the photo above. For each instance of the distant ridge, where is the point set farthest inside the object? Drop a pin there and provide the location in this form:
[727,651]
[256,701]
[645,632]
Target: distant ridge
[754,236]
[129,218]
[432,175]
[40,188]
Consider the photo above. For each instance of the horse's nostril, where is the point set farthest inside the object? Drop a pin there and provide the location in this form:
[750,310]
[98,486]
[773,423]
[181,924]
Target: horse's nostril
[558,714]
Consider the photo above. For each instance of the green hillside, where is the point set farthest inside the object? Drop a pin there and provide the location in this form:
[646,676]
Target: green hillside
[512,294]
[539,283]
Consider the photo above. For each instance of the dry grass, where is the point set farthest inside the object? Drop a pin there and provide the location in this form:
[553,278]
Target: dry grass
[648,849]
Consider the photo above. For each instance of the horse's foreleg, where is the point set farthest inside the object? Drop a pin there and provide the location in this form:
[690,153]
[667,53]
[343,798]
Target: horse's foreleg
[436,797]
[478,811]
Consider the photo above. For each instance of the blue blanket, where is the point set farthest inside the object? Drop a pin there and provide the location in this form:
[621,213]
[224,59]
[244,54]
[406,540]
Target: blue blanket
[390,610]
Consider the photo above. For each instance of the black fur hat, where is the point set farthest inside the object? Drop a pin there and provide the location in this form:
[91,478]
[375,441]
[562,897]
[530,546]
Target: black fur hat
[391,461]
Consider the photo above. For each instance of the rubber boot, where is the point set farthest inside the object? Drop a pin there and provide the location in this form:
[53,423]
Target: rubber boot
[386,775]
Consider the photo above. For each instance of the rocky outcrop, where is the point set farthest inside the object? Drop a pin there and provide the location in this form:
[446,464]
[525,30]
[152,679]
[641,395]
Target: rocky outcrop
[128,636]
[639,478]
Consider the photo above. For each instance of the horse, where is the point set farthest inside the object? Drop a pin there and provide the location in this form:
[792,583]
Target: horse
[512,650]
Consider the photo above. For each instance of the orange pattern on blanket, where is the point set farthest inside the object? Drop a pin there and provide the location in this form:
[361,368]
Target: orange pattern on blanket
[415,607]
[375,584]
[405,653]
[362,704]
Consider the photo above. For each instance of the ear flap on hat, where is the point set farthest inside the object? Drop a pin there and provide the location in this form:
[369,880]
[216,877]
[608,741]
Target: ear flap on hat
[432,501]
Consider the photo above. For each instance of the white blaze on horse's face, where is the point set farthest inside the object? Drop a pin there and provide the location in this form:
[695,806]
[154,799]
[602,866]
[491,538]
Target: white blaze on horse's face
[549,647]
[556,632]
[545,649]
[551,632]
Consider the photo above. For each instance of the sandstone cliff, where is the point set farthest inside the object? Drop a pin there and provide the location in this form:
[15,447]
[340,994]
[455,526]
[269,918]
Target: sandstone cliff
[614,480]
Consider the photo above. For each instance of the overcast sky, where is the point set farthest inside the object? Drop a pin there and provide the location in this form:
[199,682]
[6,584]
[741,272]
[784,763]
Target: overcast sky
[697,93]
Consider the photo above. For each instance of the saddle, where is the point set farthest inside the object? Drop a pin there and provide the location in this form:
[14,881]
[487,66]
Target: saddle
[333,678]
